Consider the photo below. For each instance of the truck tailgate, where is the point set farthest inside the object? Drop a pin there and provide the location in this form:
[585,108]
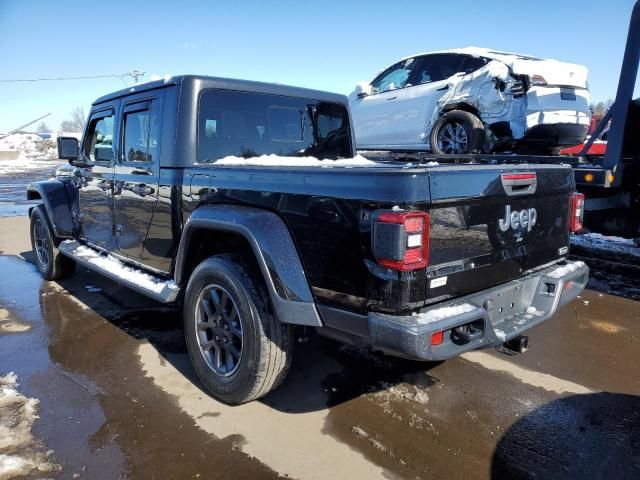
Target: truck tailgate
[490,224]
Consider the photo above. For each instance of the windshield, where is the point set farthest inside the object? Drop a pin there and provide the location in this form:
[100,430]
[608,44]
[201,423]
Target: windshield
[248,125]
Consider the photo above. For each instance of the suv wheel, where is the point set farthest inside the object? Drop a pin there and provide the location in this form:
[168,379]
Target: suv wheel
[50,262]
[457,132]
[239,350]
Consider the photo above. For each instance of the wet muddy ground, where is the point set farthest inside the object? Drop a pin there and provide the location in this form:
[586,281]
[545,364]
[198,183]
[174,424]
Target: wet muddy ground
[118,397]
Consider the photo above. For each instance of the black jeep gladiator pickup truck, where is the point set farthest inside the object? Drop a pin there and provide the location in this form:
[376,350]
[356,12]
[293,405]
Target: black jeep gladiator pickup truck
[244,203]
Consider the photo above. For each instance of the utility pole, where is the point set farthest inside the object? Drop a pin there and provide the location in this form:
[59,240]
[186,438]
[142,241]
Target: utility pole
[16,130]
[136,74]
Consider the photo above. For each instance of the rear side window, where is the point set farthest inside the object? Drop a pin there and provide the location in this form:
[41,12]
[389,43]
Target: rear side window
[140,133]
[98,145]
[433,68]
[136,136]
[243,124]
[471,64]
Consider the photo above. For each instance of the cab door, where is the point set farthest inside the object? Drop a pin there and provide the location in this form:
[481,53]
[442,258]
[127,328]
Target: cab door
[136,172]
[95,190]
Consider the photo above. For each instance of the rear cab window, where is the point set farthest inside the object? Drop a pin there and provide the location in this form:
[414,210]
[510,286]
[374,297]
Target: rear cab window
[243,124]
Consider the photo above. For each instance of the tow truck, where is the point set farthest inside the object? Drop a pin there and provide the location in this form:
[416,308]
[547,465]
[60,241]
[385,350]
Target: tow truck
[608,173]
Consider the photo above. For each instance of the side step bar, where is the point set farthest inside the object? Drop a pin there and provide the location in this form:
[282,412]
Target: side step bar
[161,290]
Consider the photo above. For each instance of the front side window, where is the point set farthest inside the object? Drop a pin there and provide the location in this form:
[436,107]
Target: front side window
[243,124]
[396,76]
[98,145]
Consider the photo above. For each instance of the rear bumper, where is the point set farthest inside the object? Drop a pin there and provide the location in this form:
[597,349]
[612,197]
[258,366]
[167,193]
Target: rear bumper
[496,315]
[555,135]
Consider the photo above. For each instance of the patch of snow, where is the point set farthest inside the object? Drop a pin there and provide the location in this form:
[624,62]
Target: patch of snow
[534,311]
[500,334]
[29,146]
[563,270]
[119,269]
[498,70]
[22,455]
[597,238]
[396,208]
[429,164]
[12,167]
[554,71]
[442,313]
[278,161]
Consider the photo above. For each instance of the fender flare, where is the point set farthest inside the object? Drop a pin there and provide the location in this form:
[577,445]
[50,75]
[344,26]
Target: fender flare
[53,194]
[274,251]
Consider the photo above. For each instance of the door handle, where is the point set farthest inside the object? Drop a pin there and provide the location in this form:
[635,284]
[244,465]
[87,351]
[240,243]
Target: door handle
[142,190]
[442,89]
[392,98]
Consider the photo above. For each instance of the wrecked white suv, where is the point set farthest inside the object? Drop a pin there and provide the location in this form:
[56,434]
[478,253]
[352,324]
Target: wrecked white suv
[473,100]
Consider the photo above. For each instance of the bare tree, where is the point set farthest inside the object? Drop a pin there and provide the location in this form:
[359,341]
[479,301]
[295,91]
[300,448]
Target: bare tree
[43,128]
[76,122]
[601,108]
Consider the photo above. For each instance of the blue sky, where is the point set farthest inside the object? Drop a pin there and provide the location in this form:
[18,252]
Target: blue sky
[326,45]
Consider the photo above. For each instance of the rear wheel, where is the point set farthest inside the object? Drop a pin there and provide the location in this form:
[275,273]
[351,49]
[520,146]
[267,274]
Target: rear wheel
[238,348]
[48,259]
[457,132]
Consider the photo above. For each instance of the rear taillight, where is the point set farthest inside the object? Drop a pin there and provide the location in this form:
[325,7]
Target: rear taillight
[400,240]
[537,80]
[577,212]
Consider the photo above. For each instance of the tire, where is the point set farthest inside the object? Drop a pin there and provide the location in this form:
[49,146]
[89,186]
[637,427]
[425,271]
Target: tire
[260,347]
[459,125]
[48,259]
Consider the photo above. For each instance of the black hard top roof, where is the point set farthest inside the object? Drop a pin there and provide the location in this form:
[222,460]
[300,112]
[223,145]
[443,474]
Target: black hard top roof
[204,82]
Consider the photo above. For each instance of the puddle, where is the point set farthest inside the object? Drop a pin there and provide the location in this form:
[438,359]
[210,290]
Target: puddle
[98,412]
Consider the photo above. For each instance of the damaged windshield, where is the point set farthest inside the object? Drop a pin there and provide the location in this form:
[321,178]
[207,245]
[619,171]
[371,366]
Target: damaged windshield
[249,125]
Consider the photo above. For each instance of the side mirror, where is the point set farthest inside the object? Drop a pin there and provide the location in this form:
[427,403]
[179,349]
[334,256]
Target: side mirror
[68,148]
[362,90]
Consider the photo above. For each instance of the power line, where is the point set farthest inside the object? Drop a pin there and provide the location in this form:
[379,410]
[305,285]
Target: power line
[135,74]
[60,78]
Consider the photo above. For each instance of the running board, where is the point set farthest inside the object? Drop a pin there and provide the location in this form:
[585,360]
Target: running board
[157,288]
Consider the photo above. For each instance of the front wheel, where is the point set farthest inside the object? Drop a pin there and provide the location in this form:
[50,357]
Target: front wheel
[457,132]
[49,261]
[239,350]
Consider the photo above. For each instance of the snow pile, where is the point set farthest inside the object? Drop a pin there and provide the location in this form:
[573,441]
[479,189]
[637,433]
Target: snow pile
[563,270]
[443,313]
[617,248]
[29,146]
[20,453]
[597,238]
[278,161]
[119,269]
